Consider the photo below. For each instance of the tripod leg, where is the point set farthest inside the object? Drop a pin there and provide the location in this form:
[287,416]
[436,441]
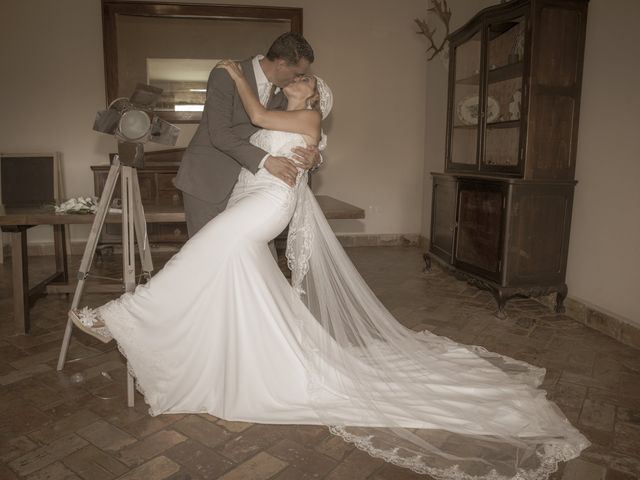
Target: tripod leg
[141,229]
[89,251]
[128,251]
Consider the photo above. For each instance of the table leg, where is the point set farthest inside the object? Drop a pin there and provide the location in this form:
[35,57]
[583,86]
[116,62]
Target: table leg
[20,272]
[60,247]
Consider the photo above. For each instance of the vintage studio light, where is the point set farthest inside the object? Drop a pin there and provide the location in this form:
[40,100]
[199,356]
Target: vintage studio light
[133,123]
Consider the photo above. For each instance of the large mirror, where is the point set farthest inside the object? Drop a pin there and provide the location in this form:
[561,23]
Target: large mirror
[175,46]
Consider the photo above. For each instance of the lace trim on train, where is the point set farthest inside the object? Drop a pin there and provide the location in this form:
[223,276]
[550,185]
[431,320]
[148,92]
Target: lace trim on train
[300,239]
[121,322]
[549,459]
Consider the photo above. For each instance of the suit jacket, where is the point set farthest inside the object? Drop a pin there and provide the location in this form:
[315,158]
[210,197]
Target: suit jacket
[220,146]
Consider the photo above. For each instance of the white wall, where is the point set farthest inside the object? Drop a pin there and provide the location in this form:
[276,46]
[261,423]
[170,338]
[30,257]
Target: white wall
[604,251]
[53,83]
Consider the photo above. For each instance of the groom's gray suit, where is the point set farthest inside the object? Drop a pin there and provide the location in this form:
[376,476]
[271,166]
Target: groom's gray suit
[219,148]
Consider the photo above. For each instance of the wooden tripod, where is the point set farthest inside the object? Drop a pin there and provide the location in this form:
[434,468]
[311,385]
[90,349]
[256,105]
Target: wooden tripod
[134,226]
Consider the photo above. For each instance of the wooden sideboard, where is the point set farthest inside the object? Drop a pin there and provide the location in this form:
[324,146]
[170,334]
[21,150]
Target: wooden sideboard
[157,189]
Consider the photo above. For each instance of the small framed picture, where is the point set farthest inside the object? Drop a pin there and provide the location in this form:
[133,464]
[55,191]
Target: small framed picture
[30,180]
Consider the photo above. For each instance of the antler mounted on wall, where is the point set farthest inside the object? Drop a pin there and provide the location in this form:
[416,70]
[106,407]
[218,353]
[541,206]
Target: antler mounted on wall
[443,12]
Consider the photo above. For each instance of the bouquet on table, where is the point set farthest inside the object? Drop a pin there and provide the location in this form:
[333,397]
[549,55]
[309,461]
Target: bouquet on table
[78,205]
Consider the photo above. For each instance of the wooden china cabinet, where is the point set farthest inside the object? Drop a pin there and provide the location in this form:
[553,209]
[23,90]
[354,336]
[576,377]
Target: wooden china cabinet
[501,212]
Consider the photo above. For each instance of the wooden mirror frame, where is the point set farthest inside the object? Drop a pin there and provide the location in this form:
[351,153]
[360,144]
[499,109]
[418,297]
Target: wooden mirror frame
[112,8]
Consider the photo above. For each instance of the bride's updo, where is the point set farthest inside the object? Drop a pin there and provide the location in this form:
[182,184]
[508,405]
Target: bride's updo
[322,98]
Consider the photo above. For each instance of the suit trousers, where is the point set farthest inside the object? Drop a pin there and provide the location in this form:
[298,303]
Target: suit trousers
[199,212]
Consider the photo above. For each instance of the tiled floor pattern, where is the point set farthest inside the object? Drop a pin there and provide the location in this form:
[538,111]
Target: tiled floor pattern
[75,424]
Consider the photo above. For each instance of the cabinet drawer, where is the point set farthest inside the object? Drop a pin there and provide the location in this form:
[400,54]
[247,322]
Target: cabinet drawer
[166,181]
[168,194]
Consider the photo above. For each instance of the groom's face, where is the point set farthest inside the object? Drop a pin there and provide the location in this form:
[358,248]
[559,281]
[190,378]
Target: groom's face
[286,74]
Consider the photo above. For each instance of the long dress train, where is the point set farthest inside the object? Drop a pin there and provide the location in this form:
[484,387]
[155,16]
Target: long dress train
[219,330]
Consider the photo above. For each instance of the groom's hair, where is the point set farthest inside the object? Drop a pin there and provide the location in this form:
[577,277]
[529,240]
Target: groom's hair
[290,47]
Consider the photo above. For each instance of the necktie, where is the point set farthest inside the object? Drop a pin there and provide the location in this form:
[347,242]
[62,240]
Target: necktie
[265,94]
[272,92]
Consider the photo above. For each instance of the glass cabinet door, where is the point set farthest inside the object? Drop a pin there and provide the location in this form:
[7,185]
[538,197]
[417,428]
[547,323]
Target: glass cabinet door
[465,110]
[503,101]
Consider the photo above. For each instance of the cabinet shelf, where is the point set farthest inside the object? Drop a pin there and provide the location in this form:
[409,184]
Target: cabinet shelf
[504,124]
[499,74]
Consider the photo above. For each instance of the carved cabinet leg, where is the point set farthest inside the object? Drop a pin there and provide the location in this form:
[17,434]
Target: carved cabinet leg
[501,300]
[427,262]
[560,296]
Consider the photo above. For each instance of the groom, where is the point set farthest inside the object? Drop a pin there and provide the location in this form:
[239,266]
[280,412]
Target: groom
[220,146]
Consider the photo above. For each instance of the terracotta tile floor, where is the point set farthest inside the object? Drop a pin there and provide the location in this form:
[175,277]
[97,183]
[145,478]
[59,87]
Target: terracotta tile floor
[74,424]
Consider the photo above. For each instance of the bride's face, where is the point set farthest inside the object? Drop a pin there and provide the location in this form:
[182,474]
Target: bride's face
[302,88]
[285,74]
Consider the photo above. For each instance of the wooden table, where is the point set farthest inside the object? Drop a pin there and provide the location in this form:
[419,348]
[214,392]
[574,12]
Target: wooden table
[15,223]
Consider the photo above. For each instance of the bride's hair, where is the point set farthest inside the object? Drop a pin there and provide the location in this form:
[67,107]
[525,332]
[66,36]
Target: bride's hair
[313,102]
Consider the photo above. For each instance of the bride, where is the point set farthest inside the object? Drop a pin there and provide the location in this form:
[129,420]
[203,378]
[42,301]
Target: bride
[219,330]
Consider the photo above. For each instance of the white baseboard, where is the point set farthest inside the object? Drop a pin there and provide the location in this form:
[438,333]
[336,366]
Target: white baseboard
[612,325]
[378,239]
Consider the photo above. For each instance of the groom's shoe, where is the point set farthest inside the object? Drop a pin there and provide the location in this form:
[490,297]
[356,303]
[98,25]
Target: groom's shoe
[88,321]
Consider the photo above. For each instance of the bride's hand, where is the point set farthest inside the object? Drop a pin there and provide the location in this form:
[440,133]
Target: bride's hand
[234,68]
[307,157]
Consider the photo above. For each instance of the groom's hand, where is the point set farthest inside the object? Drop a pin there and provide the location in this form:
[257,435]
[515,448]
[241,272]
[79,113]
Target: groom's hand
[307,157]
[283,168]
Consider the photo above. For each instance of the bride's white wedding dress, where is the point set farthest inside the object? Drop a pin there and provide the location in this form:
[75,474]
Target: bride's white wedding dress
[220,330]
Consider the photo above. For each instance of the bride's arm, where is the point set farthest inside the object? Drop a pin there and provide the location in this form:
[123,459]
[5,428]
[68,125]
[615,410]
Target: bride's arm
[306,122]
